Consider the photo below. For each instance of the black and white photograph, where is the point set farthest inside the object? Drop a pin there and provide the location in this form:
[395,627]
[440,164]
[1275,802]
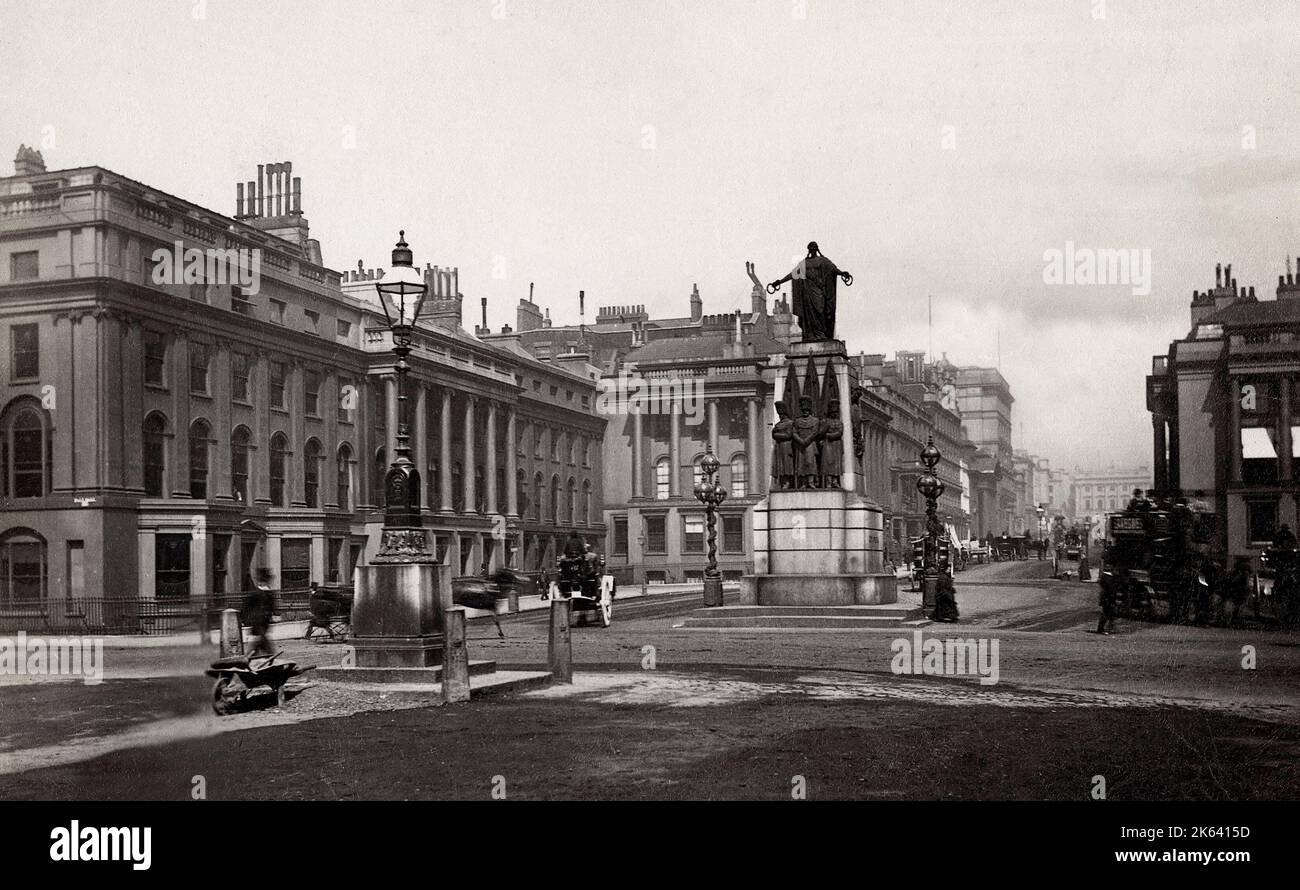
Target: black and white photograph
[892,403]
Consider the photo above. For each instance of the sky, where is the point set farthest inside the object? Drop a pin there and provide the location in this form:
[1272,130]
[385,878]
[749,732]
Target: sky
[635,148]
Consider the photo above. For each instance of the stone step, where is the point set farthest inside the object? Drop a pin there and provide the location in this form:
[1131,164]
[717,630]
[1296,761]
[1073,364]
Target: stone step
[804,617]
[501,682]
[399,674]
[882,610]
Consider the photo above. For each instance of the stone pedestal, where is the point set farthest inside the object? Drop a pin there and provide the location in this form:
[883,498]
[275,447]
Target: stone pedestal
[820,547]
[397,614]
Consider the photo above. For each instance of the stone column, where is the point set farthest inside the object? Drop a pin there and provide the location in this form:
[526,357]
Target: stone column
[147,542]
[638,471]
[849,477]
[420,429]
[1284,434]
[713,427]
[512,464]
[754,448]
[1158,447]
[467,469]
[390,417]
[444,453]
[491,473]
[1234,429]
[675,449]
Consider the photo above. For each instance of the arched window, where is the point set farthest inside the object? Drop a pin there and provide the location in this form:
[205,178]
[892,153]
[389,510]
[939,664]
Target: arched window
[200,436]
[555,499]
[313,457]
[22,569]
[571,505]
[662,487]
[586,503]
[538,492]
[279,460]
[739,476]
[240,448]
[25,451]
[155,456]
[377,472]
[521,492]
[343,478]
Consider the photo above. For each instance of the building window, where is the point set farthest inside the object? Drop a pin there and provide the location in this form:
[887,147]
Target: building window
[555,499]
[343,328]
[312,460]
[343,479]
[239,303]
[539,435]
[313,321]
[279,460]
[239,377]
[572,502]
[619,545]
[573,451]
[277,384]
[555,445]
[377,472]
[693,534]
[25,342]
[739,476]
[1261,521]
[200,434]
[311,391]
[25,454]
[199,292]
[172,567]
[655,540]
[662,471]
[239,457]
[586,452]
[25,266]
[155,358]
[733,534]
[155,456]
[586,504]
[480,491]
[295,563]
[199,359]
[277,311]
[379,409]
[22,569]
[537,501]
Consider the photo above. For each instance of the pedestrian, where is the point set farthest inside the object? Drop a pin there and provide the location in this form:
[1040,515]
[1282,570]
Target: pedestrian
[1238,589]
[945,600]
[259,608]
[1108,600]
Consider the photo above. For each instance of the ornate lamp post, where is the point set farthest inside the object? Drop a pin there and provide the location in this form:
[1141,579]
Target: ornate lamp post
[402,294]
[711,494]
[931,487]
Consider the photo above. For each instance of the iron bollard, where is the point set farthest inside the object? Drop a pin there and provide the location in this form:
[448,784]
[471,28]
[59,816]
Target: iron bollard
[559,648]
[455,657]
[232,635]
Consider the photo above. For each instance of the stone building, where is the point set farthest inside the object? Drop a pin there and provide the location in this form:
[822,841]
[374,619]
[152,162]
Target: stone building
[1221,402]
[167,427]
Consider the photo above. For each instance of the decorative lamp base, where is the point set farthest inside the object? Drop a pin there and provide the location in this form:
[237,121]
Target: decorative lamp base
[712,591]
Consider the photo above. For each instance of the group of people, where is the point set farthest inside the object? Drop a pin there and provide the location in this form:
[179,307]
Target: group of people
[807,451]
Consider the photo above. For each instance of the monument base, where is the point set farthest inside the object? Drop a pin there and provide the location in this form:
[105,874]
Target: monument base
[818,590]
[397,614]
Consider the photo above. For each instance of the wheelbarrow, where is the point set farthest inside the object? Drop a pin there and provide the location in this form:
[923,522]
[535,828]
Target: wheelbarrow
[237,675]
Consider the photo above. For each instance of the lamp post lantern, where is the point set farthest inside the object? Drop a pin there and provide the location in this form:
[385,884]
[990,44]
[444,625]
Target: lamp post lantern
[931,488]
[711,494]
[401,294]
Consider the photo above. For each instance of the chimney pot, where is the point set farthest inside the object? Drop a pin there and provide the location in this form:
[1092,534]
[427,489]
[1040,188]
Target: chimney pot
[239,200]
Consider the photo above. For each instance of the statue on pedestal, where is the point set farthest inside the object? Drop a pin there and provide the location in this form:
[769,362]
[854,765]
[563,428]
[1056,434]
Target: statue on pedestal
[814,281]
[832,463]
[807,435]
[782,456]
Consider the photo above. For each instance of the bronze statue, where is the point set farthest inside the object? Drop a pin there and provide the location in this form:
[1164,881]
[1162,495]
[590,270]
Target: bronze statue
[782,457]
[807,433]
[832,463]
[814,281]
[855,420]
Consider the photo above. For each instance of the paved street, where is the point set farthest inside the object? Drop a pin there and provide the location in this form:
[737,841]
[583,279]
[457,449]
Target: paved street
[1160,711]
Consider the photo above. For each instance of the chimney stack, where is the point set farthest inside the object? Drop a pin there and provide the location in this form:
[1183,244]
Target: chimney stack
[28,161]
[483,303]
[288,186]
[297,194]
[261,196]
[239,200]
[1218,275]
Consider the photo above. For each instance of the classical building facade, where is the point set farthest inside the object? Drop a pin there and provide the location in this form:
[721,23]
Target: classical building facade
[162,436]
[1222,402]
